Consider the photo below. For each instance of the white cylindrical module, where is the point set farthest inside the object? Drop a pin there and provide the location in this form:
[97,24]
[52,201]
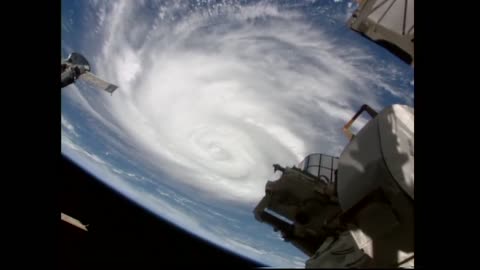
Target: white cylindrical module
[381,153]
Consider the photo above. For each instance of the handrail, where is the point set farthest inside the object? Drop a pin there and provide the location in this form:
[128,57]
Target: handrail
[346,128]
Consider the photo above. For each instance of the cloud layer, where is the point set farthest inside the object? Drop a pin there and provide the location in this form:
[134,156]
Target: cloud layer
[213,95]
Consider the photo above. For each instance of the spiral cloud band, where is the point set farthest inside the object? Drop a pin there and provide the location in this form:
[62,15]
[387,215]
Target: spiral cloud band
[213,94]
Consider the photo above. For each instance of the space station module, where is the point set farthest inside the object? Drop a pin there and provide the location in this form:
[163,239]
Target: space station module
[389,23]
[355,210]
[75,67]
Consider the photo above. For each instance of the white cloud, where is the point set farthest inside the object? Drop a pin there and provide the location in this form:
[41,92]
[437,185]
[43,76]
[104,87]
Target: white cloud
[215,108]
[68,126]
[68,145]
[73,92]
[247,246]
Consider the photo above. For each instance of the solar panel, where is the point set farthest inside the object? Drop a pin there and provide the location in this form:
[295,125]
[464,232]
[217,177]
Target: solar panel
[97,82]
